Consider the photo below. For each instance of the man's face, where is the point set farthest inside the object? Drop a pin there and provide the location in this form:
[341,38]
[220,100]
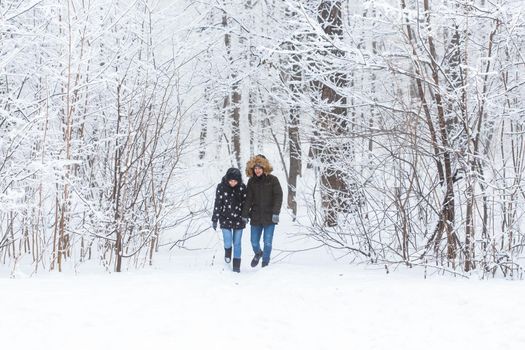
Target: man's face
[258,171]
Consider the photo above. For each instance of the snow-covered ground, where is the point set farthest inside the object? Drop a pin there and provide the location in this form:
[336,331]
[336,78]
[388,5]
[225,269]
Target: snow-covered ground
[190,299]
[189,303]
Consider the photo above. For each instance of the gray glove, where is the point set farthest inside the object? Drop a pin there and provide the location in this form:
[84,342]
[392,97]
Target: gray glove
[214,225]
[275,218]
[245,220]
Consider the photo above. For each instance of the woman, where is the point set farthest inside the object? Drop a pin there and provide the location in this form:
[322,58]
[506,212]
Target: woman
[229,199]
[262,206]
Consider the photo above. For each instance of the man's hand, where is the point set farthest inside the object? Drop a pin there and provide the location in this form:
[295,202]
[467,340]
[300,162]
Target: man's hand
[275,218]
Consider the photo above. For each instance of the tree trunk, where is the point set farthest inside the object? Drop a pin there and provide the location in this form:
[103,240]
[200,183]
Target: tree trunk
[235,96]
[331,123]
[295,83]
[447,218]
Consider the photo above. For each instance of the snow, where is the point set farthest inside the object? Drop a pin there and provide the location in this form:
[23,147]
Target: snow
[189,303]
[190,299]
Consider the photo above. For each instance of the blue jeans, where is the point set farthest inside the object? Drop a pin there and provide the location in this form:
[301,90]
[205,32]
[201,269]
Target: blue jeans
[234,236]
[256,233]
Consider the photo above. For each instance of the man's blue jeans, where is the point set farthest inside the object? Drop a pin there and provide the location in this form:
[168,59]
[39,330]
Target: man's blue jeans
[267,233]
[233,237]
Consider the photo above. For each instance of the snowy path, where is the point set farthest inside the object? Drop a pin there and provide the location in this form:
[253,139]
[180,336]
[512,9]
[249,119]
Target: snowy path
[285,306]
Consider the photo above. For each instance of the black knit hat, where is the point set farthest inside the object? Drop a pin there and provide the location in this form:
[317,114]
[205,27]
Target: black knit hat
[234,174]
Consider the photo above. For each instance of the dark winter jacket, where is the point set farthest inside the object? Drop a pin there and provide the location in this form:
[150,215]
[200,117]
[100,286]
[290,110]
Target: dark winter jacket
[229,201]
[265,195]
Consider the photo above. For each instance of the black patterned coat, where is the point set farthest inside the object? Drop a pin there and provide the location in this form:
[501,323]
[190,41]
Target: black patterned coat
[228,205]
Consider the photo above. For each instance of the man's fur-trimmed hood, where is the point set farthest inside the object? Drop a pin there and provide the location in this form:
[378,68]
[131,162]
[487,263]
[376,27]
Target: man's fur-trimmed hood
[258,159]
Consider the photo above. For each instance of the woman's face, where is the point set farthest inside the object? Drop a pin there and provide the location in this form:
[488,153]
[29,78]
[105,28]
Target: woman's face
[258,171]
[232,183]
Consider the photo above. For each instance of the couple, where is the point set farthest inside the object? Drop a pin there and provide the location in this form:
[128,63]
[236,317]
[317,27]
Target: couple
[260,201]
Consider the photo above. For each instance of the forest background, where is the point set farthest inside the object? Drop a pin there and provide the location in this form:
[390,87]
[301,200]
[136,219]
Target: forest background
[396,127]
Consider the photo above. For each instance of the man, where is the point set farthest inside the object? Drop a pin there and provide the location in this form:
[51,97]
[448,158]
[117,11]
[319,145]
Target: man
[262,206]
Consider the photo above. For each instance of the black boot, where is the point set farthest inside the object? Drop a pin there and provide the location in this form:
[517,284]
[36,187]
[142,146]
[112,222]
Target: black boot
[236,265]
[264,263]
[256,259]
[227,255]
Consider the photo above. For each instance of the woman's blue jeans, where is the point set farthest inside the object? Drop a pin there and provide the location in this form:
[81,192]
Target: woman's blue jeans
[267,233]
[232,237]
